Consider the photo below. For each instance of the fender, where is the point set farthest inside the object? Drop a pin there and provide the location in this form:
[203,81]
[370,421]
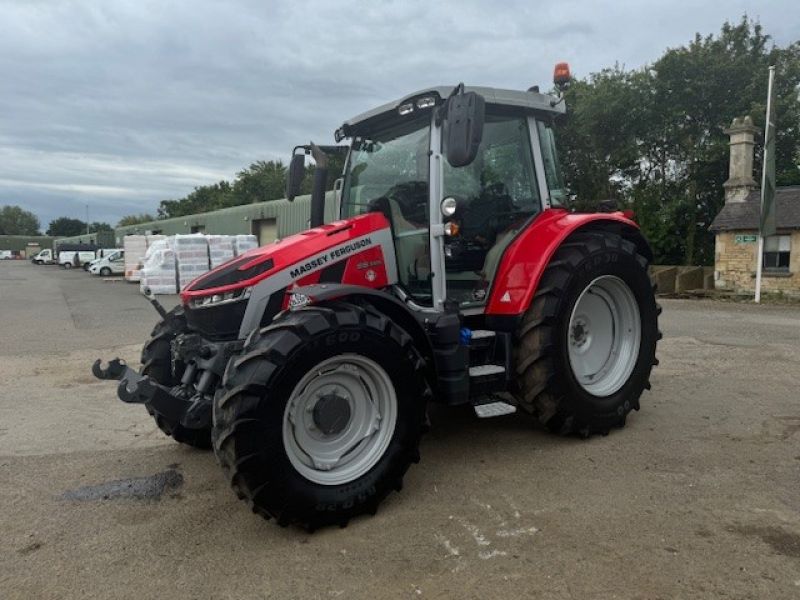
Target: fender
[384,301]
[526,258]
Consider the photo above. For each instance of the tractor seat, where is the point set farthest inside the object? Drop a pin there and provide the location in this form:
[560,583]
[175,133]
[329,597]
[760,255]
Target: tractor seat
[410,241]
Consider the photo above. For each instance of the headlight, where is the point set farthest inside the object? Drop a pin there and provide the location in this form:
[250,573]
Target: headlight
[449,206]
[223,298]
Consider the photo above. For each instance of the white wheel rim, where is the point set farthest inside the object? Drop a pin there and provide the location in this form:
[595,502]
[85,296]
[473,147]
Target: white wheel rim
[604,336]
[340,419]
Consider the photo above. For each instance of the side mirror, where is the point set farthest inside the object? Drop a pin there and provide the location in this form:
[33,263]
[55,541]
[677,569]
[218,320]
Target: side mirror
[463,127]
[294,179]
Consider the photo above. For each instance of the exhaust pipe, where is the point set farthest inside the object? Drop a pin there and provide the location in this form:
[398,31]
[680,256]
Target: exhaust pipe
[318,189]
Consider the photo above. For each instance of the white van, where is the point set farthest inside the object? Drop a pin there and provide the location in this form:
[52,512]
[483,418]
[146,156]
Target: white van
[43,257]
[111,264]
[66,259]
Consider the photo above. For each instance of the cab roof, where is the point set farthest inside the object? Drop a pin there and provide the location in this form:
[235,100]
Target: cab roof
[531,102]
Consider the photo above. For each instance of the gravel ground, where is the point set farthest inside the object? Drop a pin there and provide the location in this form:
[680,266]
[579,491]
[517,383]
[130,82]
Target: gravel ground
[699,496]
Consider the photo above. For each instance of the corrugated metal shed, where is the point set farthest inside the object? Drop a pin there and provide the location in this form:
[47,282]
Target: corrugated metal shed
[18,243]
[290,217]
[103,239]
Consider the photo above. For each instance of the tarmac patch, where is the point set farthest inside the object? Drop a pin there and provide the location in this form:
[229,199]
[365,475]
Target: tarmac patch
[151,487]
[781,541]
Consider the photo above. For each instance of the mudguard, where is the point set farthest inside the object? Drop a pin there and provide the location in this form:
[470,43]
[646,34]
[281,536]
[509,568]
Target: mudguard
[527,257]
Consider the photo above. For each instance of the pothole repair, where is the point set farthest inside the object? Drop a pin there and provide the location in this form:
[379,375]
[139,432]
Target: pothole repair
[151,487]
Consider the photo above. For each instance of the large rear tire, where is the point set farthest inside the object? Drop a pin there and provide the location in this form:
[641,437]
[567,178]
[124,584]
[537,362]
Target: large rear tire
[322,415]
[157,364]
[587,343]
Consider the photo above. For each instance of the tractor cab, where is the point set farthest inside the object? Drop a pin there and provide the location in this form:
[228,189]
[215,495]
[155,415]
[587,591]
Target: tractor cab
[458,172]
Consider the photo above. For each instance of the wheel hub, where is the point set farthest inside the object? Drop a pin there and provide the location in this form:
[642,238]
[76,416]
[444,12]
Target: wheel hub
[580,331]
[339,419]
[331,413]
[604,334]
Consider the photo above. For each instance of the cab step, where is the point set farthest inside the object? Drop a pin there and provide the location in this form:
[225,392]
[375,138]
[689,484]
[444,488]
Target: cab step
[486,379]
[486,370]
[492,407]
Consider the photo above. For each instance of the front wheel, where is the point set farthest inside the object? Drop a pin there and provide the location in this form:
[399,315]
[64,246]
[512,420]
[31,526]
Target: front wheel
[157,364]
[587,344]
[105,272]
[322,416]
[67,265]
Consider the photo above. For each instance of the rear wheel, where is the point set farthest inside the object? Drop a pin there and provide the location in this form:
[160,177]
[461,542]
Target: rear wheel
[157,364]
[105,272]
[322,416]
[587,344]
[67,265]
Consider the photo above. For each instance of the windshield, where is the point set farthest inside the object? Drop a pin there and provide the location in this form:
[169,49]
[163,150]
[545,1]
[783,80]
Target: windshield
[389,173]
[391,163]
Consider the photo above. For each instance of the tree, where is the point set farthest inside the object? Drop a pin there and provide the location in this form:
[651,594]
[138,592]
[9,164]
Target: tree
[135,219]
[259,182]
[16,221]
[201,199]
[653,138]
[262,181]
[66,227]
[99,226]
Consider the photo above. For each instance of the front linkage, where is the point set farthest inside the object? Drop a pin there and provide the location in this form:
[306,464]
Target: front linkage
[135,388]
[181,371]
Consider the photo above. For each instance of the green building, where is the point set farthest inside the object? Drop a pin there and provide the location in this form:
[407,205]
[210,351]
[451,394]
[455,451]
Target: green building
[102,239]
[25,245]
[268,221]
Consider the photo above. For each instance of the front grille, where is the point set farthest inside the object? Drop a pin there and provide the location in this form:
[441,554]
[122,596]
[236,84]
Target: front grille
[217,322]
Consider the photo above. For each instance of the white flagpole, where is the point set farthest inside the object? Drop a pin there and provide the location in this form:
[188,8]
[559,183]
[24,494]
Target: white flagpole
[760,258]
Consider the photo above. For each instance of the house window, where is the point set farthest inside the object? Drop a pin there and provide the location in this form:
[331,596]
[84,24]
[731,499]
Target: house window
[776,253]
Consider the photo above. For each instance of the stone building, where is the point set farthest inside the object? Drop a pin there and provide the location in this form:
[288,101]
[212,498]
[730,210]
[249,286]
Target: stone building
[736,226]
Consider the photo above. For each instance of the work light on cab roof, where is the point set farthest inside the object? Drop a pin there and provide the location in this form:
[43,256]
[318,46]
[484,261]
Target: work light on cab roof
[561,76]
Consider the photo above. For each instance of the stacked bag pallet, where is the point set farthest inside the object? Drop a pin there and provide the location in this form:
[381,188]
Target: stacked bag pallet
[135,249]
[243,243]
[220,249]
[191,257]
[158,271]
[172,262]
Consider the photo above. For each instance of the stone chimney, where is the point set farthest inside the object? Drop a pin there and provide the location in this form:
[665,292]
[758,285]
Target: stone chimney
[740,179]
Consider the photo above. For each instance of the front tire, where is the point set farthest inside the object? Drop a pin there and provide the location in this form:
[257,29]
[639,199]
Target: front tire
[322,416]
[157,364]
[587,344]
[105,272]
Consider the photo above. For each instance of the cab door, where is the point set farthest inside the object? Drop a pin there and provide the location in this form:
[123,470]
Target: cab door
[496,195]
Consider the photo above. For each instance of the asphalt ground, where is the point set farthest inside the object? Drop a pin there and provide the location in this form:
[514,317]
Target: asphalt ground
[697,497]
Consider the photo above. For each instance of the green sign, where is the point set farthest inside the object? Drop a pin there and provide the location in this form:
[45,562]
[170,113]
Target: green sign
[746,239]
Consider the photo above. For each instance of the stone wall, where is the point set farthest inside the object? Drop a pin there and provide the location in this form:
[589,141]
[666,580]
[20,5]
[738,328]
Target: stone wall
[735,265]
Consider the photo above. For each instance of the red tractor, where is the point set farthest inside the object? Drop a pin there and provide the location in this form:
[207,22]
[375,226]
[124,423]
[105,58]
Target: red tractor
[454,274]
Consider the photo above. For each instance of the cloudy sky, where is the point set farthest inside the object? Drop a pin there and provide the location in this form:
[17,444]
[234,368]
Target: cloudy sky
[119,104]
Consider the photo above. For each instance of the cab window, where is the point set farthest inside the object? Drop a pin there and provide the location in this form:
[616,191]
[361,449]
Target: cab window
[496,195]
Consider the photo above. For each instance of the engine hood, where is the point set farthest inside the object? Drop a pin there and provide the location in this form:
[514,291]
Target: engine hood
[297,258]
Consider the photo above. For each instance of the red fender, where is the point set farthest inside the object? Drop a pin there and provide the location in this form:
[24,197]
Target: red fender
[528,255]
